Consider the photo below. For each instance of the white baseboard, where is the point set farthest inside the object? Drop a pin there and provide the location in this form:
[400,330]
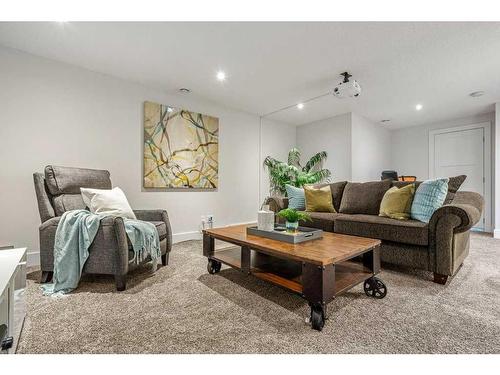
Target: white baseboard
[496,233]
[186,236]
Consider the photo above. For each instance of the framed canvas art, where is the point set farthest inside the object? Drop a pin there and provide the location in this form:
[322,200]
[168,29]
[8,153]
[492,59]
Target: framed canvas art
[181,148]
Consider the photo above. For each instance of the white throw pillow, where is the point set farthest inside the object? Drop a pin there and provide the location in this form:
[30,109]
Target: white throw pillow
[110,202]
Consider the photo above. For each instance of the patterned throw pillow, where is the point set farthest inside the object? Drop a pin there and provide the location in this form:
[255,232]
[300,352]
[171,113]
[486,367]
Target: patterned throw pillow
[429,196]
[296,197]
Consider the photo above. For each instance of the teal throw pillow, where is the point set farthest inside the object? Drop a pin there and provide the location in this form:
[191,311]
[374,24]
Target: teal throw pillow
[296,197]
[429,196]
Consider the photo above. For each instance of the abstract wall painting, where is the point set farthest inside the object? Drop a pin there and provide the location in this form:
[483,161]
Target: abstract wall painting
[181,148]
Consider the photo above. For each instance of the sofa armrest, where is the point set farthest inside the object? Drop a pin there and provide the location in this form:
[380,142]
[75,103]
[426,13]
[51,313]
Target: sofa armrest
[276,204]
[157,215]
[449,232]
[467,208]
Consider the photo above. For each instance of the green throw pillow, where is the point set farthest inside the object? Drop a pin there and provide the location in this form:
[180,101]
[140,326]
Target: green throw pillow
[296,198]
[396,202]
[319,199]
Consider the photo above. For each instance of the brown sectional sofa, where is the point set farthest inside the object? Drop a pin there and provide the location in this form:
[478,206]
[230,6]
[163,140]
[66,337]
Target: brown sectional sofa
[439,246]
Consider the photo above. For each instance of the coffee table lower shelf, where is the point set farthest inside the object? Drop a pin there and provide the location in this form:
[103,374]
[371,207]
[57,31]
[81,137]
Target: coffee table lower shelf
[347,274]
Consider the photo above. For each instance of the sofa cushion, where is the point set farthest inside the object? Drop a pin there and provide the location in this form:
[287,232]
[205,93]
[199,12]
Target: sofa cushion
[454,184]
[383,228]
[337,189]
[321,220]
[67,180]
[363,197]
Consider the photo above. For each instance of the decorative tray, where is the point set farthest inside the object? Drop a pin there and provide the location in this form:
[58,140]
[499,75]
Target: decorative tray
[280,234]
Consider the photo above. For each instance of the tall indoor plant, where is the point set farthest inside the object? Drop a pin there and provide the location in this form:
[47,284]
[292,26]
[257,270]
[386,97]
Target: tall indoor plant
[292,173]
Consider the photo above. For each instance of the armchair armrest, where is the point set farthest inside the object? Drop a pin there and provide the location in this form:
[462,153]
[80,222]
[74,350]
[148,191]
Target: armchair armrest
[276,204]
[157,215]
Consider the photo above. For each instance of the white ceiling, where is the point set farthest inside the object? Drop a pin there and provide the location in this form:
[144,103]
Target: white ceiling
[274,65]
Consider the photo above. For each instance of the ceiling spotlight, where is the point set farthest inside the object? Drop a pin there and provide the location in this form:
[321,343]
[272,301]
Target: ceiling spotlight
[300,105]
[418,107]
[476,94]
[184,90]
[221,76]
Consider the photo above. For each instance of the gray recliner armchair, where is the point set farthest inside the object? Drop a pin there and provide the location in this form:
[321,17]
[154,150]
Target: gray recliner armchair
[58,191]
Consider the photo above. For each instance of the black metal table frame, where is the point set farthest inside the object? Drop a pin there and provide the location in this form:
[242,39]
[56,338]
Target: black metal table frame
[319,285]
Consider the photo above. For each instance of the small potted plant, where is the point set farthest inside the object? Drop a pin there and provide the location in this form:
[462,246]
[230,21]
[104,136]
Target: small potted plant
[292,218]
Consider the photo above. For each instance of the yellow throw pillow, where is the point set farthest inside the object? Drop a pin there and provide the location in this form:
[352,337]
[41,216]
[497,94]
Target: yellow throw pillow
[396,202]
[319,199]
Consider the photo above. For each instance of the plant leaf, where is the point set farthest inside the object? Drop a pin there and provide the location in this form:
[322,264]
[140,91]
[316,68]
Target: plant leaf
[315,160]
[294,157]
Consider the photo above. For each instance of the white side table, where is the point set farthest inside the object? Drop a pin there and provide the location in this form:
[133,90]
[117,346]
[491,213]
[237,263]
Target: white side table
[12,297]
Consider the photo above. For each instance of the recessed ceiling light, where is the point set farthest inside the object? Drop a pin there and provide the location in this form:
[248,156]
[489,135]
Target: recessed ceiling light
[300,105]
[418,107]
[184,90]
[476,94]
[221,76]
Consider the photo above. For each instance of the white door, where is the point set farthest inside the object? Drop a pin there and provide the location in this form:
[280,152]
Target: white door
[457,152]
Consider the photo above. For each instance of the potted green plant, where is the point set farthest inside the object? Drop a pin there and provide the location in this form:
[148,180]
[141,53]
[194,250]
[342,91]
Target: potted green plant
[292,218]
[293,173]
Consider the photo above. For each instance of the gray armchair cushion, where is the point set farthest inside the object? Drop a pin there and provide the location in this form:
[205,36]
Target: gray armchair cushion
[42,196]
[67,202]
[383,228]
[363,197]
[67,180]
[161,228]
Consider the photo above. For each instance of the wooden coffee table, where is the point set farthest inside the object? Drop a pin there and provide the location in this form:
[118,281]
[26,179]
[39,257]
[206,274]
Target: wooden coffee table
[318,270]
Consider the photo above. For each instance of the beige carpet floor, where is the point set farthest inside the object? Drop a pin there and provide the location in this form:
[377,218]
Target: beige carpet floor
[183,309]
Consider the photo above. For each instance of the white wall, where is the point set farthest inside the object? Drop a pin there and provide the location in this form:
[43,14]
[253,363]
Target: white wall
[53,113]
[277,139]
[358,150]
[410,149]
[332,135]
[410,146]
[371,149]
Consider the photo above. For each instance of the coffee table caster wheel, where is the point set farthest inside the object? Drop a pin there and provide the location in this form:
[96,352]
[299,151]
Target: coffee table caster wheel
[374,287]
[317,316]
[213,266]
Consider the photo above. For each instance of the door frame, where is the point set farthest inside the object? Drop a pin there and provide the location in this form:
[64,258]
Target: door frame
[487,173]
